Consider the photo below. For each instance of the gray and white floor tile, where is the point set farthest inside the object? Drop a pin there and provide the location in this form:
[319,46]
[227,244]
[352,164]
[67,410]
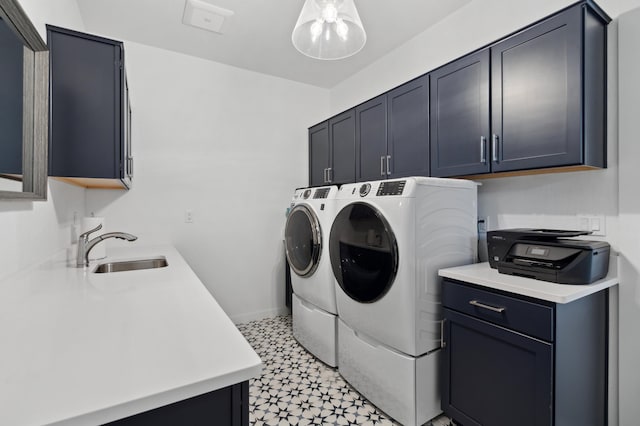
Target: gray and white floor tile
[297,389]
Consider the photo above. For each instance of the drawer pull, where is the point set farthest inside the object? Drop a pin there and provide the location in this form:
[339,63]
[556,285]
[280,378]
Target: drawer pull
[482,305]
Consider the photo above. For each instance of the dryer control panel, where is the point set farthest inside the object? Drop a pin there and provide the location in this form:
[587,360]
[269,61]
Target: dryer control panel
[391,188]
[321,193]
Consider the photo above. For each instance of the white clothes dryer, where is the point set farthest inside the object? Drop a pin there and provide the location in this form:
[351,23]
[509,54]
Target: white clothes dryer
[314,302]
[388,241]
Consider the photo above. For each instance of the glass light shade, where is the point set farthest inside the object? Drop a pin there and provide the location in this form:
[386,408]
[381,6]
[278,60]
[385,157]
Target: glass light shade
[329,29]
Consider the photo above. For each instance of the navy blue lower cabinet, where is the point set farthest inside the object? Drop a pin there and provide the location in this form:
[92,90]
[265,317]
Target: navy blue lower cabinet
[513,360]
[496,376]
[223,407]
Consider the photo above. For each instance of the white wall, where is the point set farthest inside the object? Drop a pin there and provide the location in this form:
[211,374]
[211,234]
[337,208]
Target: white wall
[552,201]
[228,144]
[629,106]
[33,231]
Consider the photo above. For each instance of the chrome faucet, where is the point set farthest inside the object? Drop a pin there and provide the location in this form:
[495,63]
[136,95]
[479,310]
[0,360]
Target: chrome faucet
[85,245]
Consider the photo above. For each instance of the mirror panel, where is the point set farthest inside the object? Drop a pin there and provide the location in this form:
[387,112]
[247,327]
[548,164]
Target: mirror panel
[11,106]
[24,81]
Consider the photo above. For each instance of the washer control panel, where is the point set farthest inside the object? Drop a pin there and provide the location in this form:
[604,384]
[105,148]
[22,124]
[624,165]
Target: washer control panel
[391,188]
[364,189]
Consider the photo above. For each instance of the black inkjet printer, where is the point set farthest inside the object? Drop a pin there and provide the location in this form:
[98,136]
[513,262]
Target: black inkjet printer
[548,255]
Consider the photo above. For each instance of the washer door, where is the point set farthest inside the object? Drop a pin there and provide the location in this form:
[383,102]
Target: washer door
[303,240]
[363,252]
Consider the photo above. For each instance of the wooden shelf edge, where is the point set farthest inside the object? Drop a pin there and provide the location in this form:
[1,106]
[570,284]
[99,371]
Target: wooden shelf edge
[92,183]
[550,170]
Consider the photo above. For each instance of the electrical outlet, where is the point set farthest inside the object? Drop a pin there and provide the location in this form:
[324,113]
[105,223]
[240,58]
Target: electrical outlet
[595,224]
[483,224]
[188,216]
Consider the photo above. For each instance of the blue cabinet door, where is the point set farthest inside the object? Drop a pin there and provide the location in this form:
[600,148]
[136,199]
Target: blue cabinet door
[371,139]
[408,129]
[318,154]
[87,113]
[460,118]
[342,137]
[495,376]
[537,95]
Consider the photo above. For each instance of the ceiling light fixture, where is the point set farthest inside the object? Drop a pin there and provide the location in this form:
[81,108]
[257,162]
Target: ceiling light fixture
[329,29]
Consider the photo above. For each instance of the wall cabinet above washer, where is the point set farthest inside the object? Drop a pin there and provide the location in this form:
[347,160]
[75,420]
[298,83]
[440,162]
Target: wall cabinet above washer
[532,102]
[392,133]
[460,120]
[332,150]
[90,127]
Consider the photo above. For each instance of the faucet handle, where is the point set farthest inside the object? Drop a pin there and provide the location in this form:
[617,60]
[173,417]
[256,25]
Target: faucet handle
[85,235]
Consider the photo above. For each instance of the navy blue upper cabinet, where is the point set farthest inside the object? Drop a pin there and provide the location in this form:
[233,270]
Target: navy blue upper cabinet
[318,154]
[460,120]
[392,133]
[546,104]
[408,129]
[90,124]
[541,79]
[342,134]
[332,150]
[371,139]
[533,100]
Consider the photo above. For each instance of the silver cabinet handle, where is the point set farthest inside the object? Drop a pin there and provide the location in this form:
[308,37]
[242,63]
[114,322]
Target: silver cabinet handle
[483,149]
[494,148]
[326,175]
[443,344]
[130,168]
[482,305]
[329,175]
[382,173]
[388,165]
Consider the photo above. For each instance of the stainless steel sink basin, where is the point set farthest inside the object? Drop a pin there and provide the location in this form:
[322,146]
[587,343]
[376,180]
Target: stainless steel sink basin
[131,265]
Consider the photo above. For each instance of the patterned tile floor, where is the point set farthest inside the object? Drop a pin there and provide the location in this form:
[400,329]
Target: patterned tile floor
[297,389]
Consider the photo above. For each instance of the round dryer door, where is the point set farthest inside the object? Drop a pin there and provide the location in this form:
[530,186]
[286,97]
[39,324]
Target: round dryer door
[303,240]
[363,252]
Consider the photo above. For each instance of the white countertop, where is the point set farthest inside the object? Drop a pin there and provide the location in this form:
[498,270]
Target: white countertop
[85,348]
[482,274]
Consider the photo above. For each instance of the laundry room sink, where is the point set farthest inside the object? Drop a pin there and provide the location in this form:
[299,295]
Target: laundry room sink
[131,265]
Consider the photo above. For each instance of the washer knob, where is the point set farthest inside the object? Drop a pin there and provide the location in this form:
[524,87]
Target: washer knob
[364,189]
[306,194]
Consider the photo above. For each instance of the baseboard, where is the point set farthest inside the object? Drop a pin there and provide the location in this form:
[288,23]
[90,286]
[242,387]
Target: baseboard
[254,316]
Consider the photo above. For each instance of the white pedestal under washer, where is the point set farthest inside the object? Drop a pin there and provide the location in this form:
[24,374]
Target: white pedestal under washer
[306,236]
[387,243]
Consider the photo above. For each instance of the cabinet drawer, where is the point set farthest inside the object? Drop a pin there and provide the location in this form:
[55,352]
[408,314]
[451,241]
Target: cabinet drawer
[519,315]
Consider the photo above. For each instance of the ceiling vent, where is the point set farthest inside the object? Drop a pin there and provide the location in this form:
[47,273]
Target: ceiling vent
[203,15]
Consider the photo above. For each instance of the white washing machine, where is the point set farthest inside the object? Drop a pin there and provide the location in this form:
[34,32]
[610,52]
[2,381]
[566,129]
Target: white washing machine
[314,301]
[388,241]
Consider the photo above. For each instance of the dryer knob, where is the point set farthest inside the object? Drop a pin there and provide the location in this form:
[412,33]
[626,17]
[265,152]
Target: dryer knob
[364,189]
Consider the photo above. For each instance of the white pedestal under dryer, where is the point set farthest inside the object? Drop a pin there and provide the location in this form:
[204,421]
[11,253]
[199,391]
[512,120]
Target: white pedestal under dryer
[306,236]
[388,241]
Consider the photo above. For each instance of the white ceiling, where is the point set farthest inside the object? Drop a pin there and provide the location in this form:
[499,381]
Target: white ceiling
[258,36]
